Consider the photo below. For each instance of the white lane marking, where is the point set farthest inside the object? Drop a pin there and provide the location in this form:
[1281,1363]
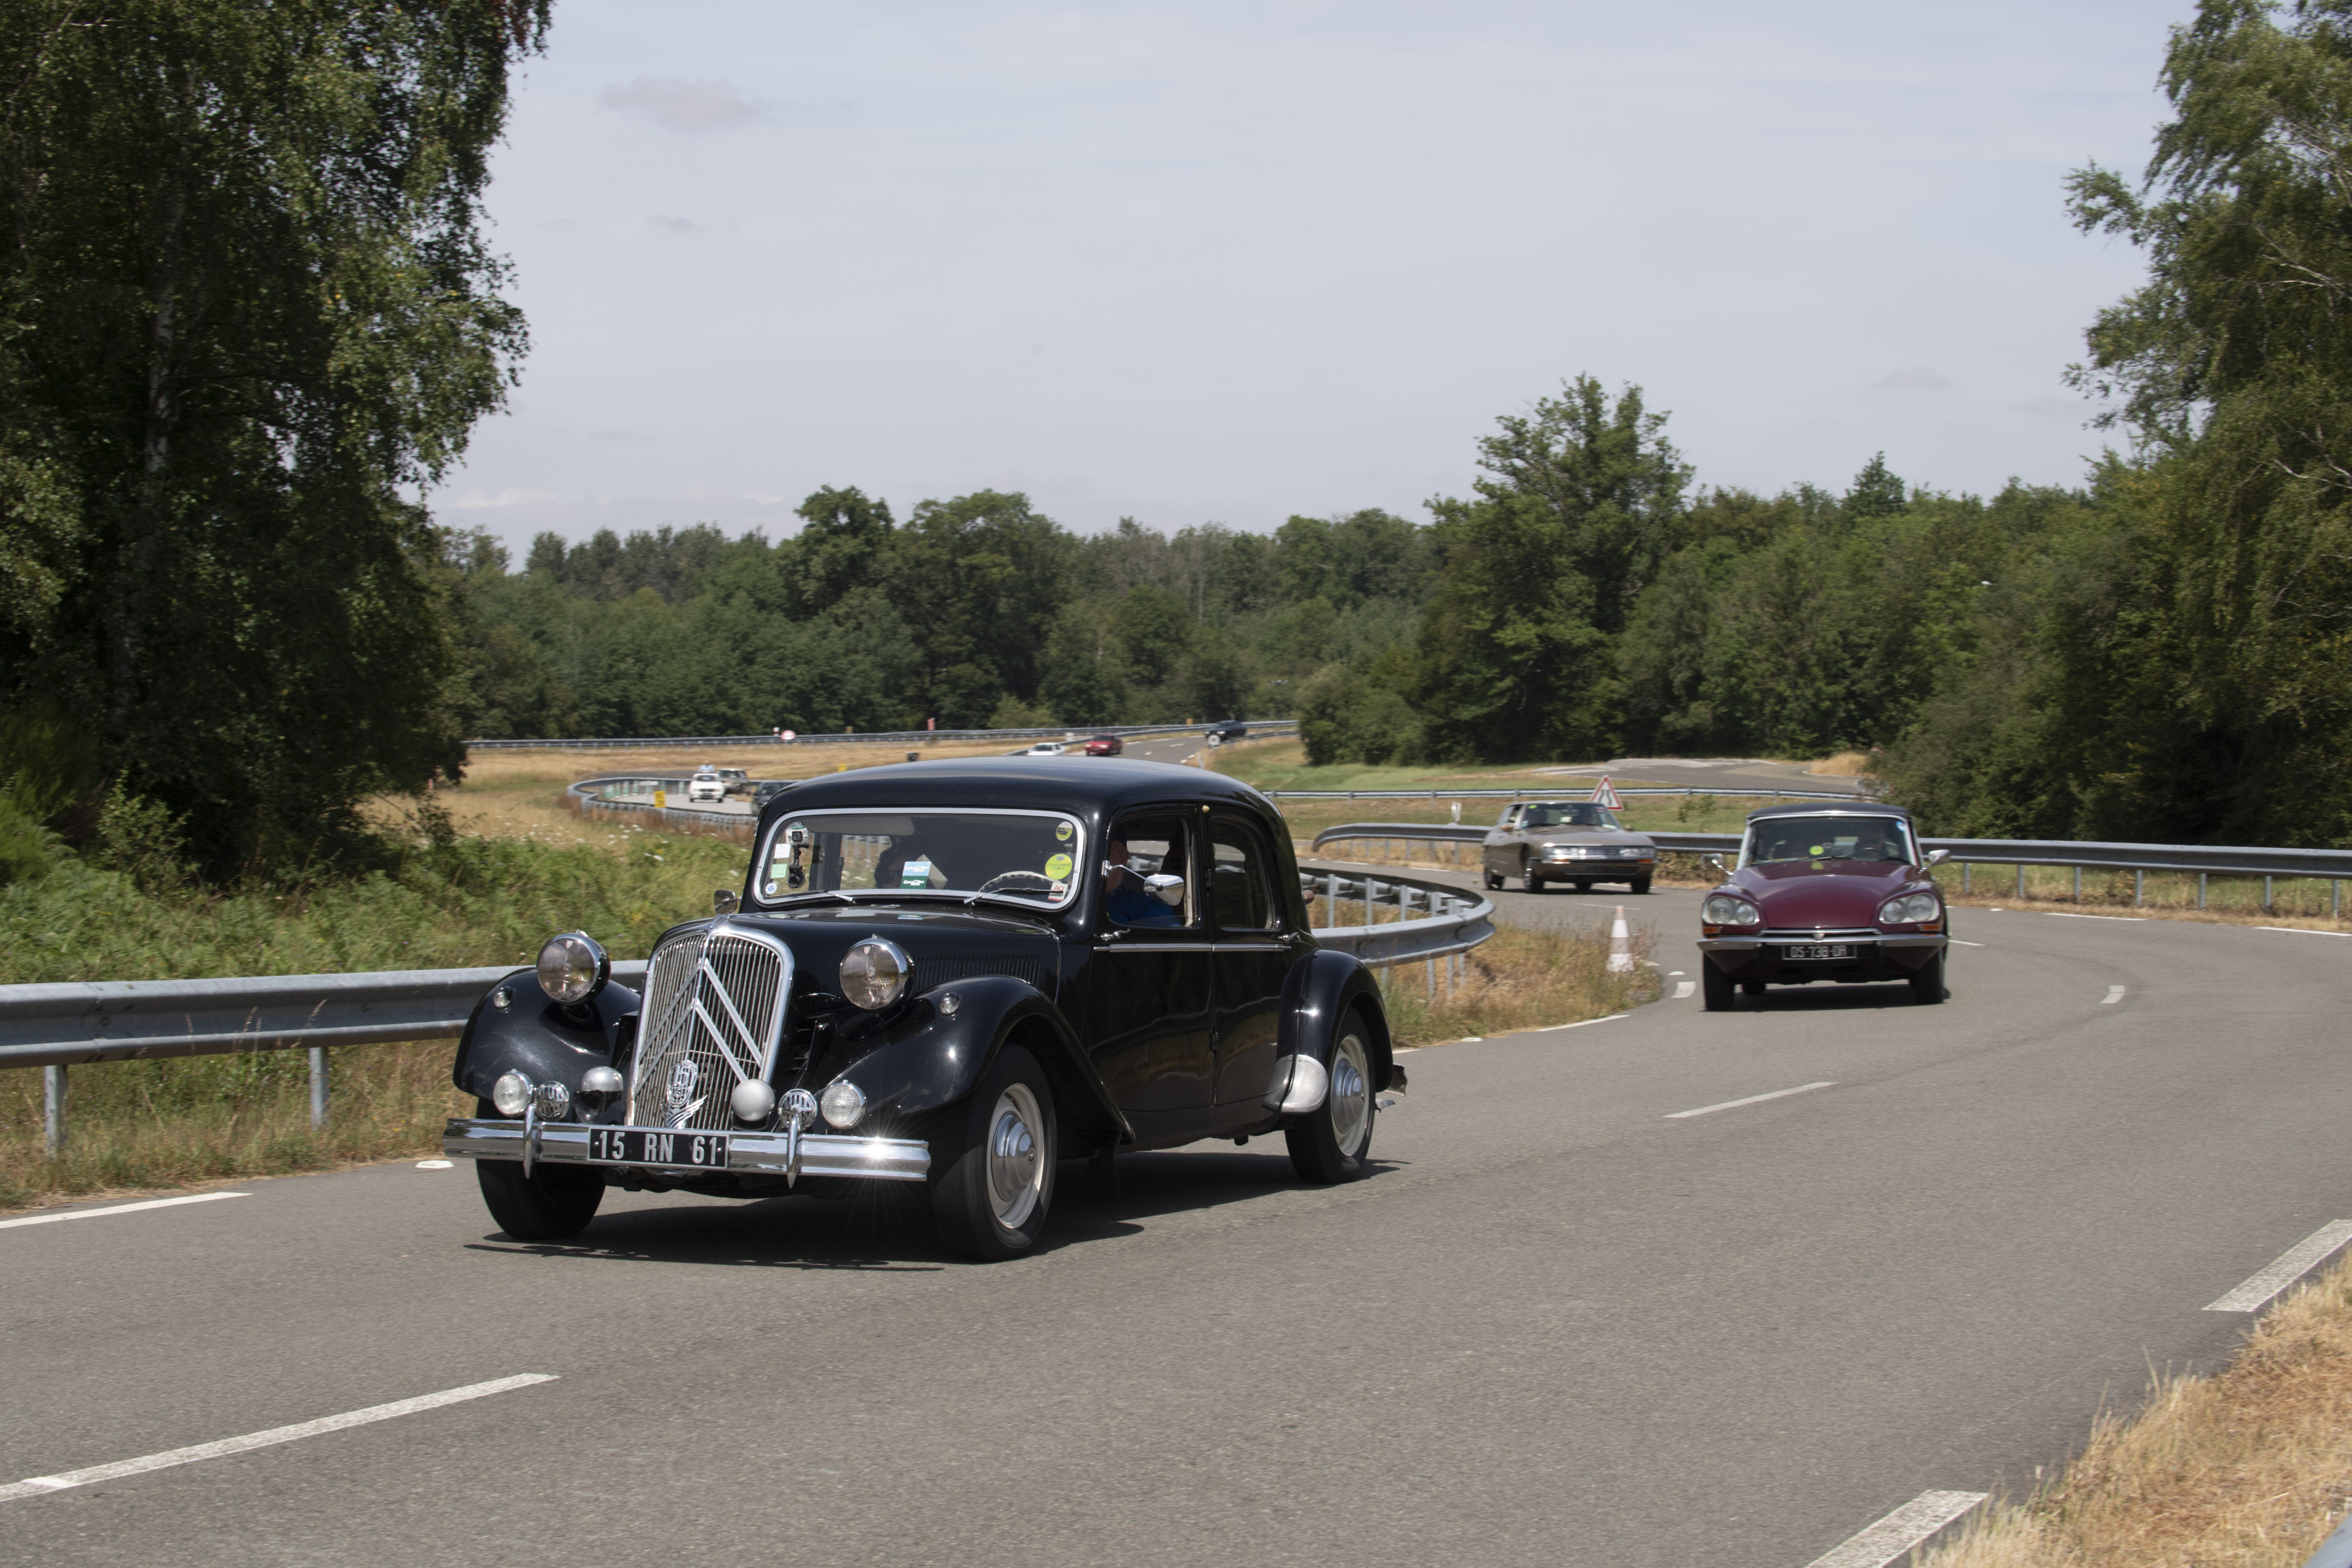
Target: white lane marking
[2114,994]
[34,1486]
[120,1208]
[2292,1264]
[1674,972]
[1554,1028]
[1899,1533]
[1471,1041]
[1957,943]
[1688,989]
[436,1164]
[2304,931]
[1752,1099]
[2062,915]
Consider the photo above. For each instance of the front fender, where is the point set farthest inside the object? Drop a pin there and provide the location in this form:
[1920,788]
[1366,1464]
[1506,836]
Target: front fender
[928,1059]
[539,1037]
[1316,995]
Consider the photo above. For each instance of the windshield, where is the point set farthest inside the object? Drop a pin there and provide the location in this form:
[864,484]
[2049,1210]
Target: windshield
[1827,838]
[1571,814]
[1033,856]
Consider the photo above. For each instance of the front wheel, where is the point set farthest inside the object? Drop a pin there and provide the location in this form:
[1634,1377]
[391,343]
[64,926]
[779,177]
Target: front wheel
[1494,880]
[1928,981]
[554,1202]
[1641,884]
[1716,986]
[997,1185]
[1328,1144]
[1527,878]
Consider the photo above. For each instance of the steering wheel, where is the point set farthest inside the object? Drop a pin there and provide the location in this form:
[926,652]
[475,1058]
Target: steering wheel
[1002,877]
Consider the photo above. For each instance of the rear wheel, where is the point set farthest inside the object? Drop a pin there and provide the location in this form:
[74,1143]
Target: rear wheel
[997,1185]
[1583,887]
[1494,880]
[1641,884]
[1328,1144]
[1928,981]
[1751,988]
[1715,986]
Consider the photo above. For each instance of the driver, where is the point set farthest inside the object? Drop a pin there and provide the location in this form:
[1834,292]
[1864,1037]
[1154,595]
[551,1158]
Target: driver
[1125,897]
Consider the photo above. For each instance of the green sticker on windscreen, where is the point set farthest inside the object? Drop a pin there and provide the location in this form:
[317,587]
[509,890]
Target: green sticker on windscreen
[1057,867]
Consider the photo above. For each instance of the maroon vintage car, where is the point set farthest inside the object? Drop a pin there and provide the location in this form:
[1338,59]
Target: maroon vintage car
[1839,893]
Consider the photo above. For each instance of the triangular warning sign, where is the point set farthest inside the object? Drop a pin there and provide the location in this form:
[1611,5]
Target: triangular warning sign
[1605,793]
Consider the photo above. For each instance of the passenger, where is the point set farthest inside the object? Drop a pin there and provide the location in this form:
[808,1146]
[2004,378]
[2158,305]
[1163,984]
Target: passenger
[1125,897]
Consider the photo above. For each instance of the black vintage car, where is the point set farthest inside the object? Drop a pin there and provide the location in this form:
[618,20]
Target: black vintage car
[956,973]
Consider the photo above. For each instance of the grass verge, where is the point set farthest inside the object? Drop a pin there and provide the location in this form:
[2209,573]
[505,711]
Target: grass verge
[2246,1468]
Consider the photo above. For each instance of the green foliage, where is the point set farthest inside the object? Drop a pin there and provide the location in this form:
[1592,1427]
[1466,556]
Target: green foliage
[243,303]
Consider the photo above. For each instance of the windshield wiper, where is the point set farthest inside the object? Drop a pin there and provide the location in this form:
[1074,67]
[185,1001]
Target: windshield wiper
[1007,899]
[814,893]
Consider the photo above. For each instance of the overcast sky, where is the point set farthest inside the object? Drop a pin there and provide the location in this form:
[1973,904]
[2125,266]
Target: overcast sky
[1232,261]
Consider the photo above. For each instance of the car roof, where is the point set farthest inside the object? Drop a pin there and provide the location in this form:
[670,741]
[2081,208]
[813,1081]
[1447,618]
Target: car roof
[1090,790]
[1831,808]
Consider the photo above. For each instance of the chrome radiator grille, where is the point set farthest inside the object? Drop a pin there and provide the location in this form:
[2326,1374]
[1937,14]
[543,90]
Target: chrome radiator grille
[714,1010]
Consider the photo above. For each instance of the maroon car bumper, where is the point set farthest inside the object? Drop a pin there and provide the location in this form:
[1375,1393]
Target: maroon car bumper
[1797,960]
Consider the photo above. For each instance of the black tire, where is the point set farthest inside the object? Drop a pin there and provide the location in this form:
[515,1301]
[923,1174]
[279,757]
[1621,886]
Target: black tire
[1583,887]
[1751,988]
[994,1187]
[1494,880]
[554,1202]
[1527,878]
[1641,884]
[1928,981]
[1330,1143]
[1714,987]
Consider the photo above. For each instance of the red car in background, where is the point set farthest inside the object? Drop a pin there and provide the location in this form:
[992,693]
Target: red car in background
[1105,746]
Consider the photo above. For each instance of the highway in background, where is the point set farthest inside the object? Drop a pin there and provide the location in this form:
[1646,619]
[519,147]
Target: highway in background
[1564,1320]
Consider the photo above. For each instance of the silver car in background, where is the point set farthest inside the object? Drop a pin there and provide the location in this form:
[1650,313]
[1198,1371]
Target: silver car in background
[1574,841]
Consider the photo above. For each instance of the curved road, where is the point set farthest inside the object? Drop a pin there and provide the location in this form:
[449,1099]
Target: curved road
[1558,1323]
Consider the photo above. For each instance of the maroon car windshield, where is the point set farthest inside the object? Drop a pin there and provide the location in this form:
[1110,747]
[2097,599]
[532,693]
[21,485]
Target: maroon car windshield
[1838,836]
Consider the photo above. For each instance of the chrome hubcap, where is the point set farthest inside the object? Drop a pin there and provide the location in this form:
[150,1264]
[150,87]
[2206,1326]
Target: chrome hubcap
[1016,1163]
[1351,1097]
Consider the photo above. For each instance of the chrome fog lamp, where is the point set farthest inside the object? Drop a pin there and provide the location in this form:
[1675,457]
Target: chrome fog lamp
[874,973]
[799,1108]
[843,1104]
[1912,909]
[512,1094]
[572,968]
[1722,909]
[599,1088]
[554,1101]
[752,1101]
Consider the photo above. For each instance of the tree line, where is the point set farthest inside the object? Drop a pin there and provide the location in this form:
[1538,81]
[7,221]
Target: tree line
[247,313]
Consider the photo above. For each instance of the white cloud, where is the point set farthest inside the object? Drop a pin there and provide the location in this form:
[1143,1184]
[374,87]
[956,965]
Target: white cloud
[676,225]
[675,103]
[1918,378]
[481,500]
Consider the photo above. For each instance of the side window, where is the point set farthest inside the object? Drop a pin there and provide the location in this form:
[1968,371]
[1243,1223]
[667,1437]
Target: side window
[1241,893]
[1137,848]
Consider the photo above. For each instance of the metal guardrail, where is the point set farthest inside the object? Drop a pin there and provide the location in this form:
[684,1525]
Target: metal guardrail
[1453,924]
[2229,860]
[852,737]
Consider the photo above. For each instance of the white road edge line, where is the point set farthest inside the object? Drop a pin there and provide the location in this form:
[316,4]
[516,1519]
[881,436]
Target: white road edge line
[1581,1022]
[119,1208]
[1752,1099]
[1881,1543]
[2304,931]
[2114,994]
[2062,915]
[2292,1264]
[35,1485]
[1685,991]
[1955,942]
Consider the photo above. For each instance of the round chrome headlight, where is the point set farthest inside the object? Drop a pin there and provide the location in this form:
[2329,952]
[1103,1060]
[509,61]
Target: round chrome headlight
[512,1094]
[1910,910]
[1722,909]
[842,1102]
[572,968]
[875,973]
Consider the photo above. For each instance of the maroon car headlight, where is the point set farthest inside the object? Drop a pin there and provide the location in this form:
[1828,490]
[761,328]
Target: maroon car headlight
[1912,909]
[1725,910]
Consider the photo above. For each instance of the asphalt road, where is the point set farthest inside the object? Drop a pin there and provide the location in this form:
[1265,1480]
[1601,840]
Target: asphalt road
[1556,1324]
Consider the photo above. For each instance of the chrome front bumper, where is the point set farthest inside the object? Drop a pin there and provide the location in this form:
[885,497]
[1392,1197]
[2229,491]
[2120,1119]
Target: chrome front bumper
[758,1153]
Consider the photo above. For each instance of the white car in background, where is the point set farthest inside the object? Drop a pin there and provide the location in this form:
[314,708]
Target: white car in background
[706,785]
[1045,749]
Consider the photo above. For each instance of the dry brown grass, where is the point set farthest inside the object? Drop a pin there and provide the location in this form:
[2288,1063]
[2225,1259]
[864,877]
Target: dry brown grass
[2247,1468]
[136,1127]
[1517,979]
[1844,765]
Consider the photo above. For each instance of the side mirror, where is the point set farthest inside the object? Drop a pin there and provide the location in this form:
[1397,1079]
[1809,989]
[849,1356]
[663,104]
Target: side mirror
[1168,891]
[1938,856]
[724,902]
[1712,862]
